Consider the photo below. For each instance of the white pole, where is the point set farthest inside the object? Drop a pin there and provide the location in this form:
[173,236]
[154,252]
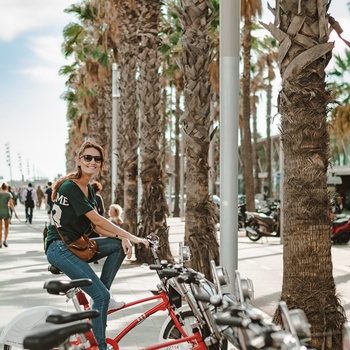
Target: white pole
[114,160]
[229,114]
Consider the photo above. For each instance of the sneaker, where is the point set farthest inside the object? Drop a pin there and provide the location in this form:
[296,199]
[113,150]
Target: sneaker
[5,244]
[113,304]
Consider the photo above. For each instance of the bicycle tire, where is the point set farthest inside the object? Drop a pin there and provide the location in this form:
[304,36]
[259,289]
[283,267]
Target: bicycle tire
[171,333]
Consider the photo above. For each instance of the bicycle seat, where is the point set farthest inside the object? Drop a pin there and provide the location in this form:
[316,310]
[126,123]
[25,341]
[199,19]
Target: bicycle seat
[58,287]
[60,317]
[48,335]
[54,270]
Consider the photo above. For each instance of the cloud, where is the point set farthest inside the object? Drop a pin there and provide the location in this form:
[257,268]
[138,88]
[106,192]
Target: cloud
[19,16]
[47,58]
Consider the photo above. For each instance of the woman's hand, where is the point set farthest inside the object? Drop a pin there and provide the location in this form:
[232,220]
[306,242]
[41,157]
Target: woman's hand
[140,240]
[127,247]
[144,241]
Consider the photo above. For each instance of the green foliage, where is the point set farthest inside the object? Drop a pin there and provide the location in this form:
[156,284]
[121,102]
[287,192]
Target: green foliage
[339,84]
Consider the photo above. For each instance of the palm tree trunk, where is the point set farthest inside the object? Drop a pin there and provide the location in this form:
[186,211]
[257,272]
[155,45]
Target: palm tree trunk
[154,208]
[308,281]
[268,138]
[200,230]
[128,115]
[247,142]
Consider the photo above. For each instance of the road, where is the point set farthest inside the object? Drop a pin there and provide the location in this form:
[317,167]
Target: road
[262,262]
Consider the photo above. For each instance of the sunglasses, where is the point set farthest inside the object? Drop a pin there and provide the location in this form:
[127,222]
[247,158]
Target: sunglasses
[89,158]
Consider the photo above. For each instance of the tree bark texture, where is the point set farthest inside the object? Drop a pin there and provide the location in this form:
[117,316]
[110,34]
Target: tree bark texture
[200,230]
[153,208]
[308,283]
[128,113]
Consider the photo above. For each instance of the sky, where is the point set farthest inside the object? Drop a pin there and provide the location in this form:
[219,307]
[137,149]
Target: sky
[32,114]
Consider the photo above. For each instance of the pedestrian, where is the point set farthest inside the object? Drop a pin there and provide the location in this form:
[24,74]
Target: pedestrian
[48,200]
[40,194]
[29,198]
[14,200]
[74,214]
[115,214]
[6,203]
[100,206]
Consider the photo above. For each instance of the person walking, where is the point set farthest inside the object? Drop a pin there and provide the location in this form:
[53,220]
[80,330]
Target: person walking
[73,214]
[48,200]
[40,195]
[14,199]
[6,204]
[29,198]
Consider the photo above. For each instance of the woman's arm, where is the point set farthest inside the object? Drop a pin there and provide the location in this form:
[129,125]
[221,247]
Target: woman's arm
[108,229]
[12,206]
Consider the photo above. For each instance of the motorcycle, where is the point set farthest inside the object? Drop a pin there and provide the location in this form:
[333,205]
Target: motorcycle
[241,215]
[261,225]
[340,229]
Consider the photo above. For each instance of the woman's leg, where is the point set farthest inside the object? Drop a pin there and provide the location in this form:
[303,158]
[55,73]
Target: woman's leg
[6,230]
[112,248]
[0,233]
[59,255]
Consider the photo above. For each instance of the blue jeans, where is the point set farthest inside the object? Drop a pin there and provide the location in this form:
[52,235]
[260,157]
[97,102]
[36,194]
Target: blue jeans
[60,256]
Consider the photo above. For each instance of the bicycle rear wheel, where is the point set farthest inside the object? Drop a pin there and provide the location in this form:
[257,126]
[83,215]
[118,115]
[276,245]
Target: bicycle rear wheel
[171,333]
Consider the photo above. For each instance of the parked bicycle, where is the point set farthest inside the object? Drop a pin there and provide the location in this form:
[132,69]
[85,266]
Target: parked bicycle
[167,300]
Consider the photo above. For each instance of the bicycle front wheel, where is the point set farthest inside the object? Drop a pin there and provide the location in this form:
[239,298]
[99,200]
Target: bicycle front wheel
[187,318]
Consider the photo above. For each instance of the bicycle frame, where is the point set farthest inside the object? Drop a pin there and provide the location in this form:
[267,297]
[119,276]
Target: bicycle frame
[196,338]
[162,305]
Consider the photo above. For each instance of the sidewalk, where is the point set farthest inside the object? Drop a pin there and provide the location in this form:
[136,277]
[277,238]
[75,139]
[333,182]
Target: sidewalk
[23,270]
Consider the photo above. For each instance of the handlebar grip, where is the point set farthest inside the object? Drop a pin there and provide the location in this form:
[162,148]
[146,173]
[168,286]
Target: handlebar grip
[170,272]
[232,321]
[155,267]
[202,297]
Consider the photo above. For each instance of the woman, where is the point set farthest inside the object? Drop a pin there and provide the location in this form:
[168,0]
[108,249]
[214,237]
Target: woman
[6,204]
[73,214]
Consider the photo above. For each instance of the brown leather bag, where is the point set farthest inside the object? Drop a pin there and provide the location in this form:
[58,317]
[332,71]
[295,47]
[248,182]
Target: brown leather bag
[84,248]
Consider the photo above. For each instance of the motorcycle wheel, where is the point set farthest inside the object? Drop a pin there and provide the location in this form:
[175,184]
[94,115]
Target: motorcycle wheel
[252,236]
[343,239]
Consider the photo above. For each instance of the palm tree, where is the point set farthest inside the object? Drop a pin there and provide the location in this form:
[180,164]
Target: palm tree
[340,115]
[200,230]
[88,42]
[128,142]
[249,9]
[153,209]
[304,52]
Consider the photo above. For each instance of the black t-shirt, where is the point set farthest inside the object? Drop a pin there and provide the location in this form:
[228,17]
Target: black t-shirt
[68,212]
[49,199]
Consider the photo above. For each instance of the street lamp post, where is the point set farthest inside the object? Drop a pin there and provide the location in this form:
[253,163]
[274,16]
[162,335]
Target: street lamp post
[229,112]
[8,159]
[115,96]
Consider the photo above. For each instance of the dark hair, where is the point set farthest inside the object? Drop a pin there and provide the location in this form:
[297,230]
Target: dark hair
[4,186]
[30,185]
[77,174]
[96,186]
[49,183]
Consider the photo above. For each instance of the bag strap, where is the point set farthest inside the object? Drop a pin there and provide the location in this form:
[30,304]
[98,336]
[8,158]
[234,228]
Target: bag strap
[59,233]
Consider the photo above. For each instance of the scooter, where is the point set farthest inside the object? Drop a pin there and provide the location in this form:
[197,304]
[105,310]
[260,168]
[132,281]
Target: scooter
[261,225]
[340,229]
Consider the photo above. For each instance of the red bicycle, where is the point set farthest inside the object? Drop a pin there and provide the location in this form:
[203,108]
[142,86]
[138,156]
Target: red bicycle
[167,300]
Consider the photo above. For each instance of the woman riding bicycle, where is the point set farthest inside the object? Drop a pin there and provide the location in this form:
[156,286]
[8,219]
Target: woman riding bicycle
[74,213]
